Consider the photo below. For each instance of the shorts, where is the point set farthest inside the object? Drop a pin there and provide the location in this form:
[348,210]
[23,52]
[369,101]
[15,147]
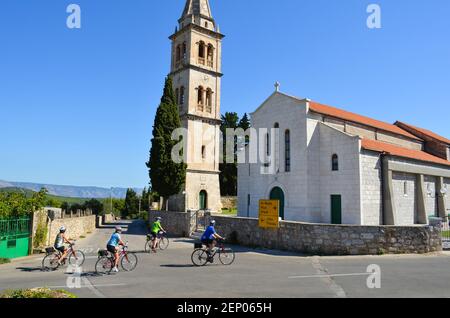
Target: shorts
[111,249]
[207,241]
[156,235]
[62,249]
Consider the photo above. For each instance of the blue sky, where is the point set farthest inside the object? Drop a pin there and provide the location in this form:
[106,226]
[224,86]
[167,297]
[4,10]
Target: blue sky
[77,106]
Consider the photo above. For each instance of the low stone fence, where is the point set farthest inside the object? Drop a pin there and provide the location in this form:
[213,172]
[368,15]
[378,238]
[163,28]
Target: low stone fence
[321,239]
[76,227]
[176,223]
[108,218]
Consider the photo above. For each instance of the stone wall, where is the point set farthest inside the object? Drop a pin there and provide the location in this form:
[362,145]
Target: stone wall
[331,239]
[108,218]
[175,223]
[76,227]
[371,205]
[229,202]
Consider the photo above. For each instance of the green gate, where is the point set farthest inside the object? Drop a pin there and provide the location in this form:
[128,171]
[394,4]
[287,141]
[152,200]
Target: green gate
[14,237]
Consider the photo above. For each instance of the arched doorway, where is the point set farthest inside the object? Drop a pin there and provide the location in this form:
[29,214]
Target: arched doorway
[203,200]
[278,194]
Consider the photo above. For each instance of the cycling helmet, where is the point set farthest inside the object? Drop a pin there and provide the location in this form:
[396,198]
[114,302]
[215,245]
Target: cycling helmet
[62,229]
[118,229]
[212,223]
[158,218]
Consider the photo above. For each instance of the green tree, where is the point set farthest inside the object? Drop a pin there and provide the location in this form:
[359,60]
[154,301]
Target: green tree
[17,204]
[228,175]
[131,204]
[95,206]
[146,200]
[167,177]
[65,207]
[244,123]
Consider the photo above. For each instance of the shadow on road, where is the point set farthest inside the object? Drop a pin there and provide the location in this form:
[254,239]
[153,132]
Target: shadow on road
[135,227]
[178,266]
[30,269]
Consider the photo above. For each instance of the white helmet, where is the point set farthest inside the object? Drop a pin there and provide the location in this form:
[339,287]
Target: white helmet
[118,229]
[62,229]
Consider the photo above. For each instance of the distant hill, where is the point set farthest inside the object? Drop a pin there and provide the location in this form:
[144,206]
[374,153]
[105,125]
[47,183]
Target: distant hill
[30,193]
[70,191]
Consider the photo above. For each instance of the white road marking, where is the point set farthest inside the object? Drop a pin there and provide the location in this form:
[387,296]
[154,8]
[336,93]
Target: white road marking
[86,286]
[331,275]
[332,285]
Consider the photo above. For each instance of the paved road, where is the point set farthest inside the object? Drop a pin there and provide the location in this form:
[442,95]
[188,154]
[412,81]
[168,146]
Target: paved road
[254,274]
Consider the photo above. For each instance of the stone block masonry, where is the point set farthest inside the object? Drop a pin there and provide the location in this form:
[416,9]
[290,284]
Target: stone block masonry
[175,223]
[76,227]
[320,239]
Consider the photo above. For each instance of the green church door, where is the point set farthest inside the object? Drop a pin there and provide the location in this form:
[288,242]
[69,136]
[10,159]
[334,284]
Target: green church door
[278,194]
[203,200]
[336,209]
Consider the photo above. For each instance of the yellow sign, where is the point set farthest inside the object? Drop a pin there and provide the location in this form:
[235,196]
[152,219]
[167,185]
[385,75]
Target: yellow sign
[269,214]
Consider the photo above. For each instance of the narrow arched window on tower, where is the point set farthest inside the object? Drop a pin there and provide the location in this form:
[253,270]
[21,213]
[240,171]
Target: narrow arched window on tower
[210,55]
[335,163]
[201,53]
[200,98]
[184,52]
[203,152]
[178,54]
[209,100]
[181,96]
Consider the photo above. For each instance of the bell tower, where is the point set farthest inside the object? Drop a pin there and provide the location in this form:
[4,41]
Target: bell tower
[196,73]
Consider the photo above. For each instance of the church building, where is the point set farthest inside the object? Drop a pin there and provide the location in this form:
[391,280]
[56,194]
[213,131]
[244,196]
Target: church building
[196,71]
[336,167]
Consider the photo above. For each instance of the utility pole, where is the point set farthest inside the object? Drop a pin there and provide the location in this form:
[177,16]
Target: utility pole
[110,197]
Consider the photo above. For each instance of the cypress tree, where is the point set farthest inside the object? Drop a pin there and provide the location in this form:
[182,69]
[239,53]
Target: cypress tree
[167,177]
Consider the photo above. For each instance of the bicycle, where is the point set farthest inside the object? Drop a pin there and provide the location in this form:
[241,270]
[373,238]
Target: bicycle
[163,242]
[200,256]
[52,260]
[105,264]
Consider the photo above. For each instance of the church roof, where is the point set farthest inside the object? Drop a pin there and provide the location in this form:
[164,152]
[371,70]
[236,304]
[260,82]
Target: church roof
[397,151]
[423,131]
[197,7]
[348,116]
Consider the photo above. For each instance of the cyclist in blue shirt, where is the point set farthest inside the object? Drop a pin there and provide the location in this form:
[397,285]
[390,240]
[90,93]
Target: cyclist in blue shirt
[113,246]
[210,236]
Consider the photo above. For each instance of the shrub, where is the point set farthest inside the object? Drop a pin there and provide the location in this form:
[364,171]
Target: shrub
[41,232]
[4,261]
[37,293]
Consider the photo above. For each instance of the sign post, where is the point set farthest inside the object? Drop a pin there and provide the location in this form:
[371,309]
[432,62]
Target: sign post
[269,214]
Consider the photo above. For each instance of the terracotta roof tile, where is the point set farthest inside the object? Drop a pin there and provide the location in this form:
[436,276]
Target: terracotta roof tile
[426,132]
[345,115]
[393,150]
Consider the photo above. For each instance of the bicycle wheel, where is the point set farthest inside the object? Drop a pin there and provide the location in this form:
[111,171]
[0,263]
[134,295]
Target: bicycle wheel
[199,257]
[164,243]
[77,258]
[104,265]
[50,262]
[129,262]
[227,256]
[148,246]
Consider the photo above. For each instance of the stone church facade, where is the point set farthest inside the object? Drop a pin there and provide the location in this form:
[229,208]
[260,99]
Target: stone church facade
[333,166]
[196,71]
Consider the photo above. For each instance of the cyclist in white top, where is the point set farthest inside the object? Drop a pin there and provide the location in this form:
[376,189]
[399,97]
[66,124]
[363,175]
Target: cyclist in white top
[59,244]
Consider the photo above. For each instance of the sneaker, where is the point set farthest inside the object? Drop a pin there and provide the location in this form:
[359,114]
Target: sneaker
[115,270]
